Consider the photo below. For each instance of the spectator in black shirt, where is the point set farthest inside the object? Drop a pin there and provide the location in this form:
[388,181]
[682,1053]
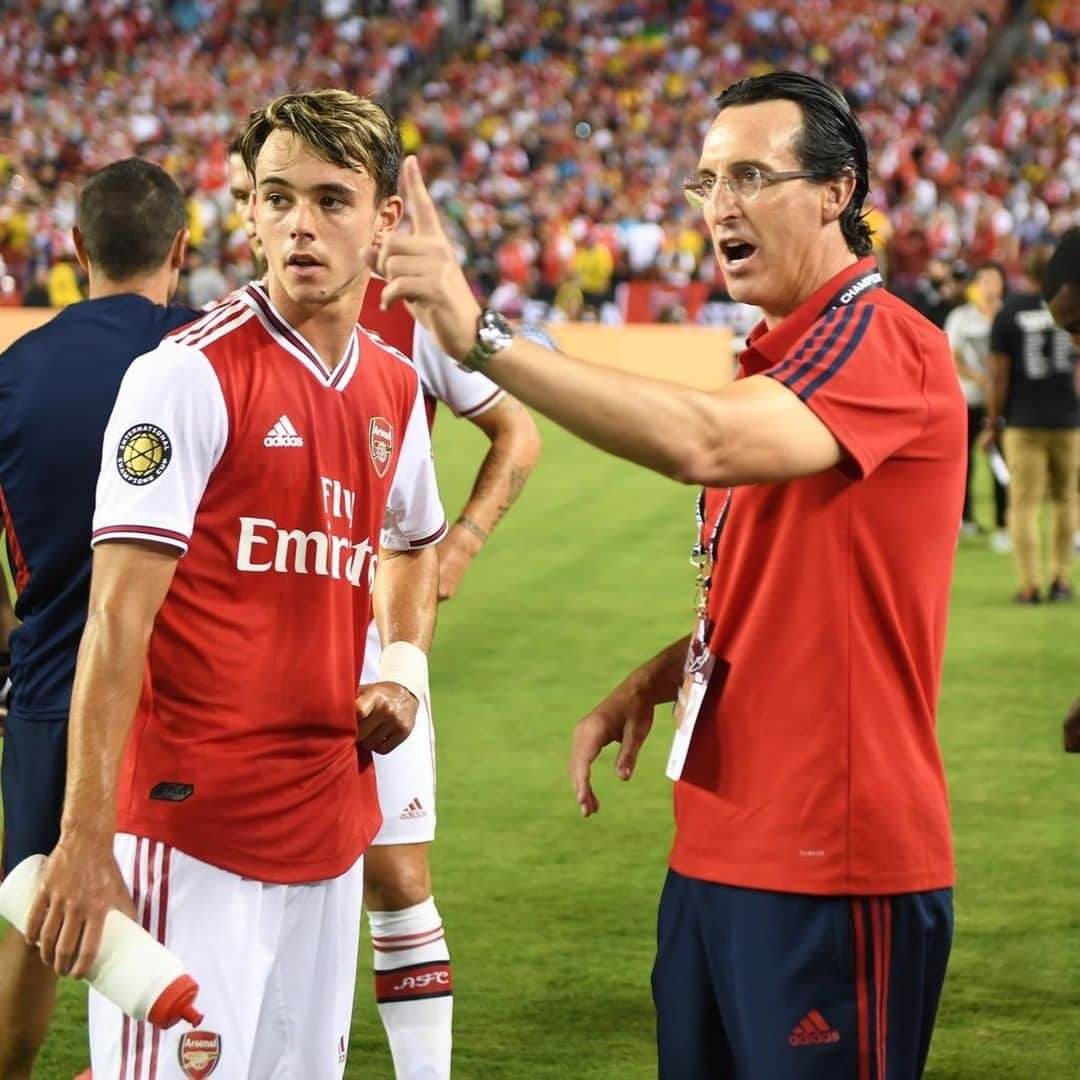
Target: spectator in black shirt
[1033,395]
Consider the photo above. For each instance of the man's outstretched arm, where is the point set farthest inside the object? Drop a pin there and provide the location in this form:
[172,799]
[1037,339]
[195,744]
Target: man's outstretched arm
[752,431]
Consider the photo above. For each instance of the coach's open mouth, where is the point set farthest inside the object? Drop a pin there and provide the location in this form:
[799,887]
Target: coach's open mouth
[299,259]
[736,252]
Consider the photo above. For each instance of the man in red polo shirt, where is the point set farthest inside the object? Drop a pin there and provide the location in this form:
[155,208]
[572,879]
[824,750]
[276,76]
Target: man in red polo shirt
[806,921]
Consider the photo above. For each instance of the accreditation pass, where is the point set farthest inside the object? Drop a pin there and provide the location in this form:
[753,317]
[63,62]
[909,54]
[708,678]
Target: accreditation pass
[697,671]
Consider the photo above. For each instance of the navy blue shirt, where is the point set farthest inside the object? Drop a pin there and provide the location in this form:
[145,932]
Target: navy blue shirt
[57,388]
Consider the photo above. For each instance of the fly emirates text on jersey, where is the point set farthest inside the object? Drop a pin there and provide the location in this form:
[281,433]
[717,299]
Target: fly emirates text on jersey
[264,546]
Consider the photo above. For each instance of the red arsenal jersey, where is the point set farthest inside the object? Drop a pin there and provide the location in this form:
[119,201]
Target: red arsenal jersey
[275,477]
[815,767]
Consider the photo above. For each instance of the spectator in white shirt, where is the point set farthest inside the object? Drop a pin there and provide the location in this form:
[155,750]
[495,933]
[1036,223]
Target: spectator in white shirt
[968,329]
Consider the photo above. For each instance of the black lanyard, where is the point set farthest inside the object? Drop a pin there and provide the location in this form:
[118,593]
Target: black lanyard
[851,292]
[703,555]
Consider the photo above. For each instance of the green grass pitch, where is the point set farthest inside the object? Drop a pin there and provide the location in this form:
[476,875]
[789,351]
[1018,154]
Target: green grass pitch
[550,918]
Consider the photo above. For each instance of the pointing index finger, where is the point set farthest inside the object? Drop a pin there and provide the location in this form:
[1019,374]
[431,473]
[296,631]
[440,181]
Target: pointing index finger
[422,212]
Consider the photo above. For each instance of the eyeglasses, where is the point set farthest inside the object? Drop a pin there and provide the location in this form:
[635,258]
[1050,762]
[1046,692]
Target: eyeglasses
[746,184]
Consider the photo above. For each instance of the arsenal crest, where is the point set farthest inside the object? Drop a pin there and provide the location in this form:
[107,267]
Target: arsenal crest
[200,1052]
[381,443]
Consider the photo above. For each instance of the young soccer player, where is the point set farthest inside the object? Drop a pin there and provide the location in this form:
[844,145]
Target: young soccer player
[413,976]
[250,466]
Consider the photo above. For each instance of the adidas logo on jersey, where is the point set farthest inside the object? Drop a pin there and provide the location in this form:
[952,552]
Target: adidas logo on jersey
[283,434]
[412,811]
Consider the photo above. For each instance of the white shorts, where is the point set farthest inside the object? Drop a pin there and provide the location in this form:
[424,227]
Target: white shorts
[405,776]
[275,964]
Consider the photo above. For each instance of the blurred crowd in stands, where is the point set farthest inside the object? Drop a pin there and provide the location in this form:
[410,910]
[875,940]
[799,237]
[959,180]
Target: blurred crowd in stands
[86,82]
[555,136]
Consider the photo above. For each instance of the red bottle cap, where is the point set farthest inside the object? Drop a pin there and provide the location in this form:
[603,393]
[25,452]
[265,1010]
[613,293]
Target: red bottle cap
[175,1003]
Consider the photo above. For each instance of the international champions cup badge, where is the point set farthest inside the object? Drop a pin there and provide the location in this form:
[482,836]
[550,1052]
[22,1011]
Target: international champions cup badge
[200,1052]
[381,442]
[144,454]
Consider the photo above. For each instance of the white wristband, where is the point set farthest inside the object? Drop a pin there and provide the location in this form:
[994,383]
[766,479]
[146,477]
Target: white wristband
[402,662]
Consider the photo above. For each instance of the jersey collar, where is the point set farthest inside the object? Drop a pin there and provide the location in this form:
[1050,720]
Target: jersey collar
[765,347]
[286,335]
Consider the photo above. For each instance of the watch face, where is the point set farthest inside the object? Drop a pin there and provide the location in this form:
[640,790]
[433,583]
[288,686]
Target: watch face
[496,333]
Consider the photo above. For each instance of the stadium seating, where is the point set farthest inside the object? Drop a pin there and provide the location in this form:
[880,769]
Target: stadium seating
[86,82]
[554,129]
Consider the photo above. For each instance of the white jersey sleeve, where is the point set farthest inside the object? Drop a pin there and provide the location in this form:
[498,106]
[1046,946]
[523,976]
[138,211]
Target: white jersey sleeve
[167,432]
[468,393]
[414,511]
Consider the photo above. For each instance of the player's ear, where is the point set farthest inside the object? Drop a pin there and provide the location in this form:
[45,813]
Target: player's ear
[835,195]
[178,251]
[80,248]
[388,216]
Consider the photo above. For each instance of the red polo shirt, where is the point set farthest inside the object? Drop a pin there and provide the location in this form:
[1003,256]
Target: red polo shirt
[815,767]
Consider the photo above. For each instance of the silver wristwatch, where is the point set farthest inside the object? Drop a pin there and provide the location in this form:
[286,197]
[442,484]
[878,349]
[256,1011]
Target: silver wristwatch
[493,334]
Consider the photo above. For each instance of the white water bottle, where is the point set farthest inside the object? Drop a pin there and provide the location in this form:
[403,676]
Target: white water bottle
[132,969]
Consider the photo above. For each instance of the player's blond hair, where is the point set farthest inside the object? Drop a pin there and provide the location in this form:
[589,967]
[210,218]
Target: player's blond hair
[340,127]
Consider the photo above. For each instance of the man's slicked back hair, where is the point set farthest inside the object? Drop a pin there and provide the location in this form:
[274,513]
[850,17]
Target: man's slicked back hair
[340,127]
[129,214]
[831,143]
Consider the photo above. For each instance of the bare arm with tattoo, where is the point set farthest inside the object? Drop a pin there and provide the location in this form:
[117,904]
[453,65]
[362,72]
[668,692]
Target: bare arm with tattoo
[514,450]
